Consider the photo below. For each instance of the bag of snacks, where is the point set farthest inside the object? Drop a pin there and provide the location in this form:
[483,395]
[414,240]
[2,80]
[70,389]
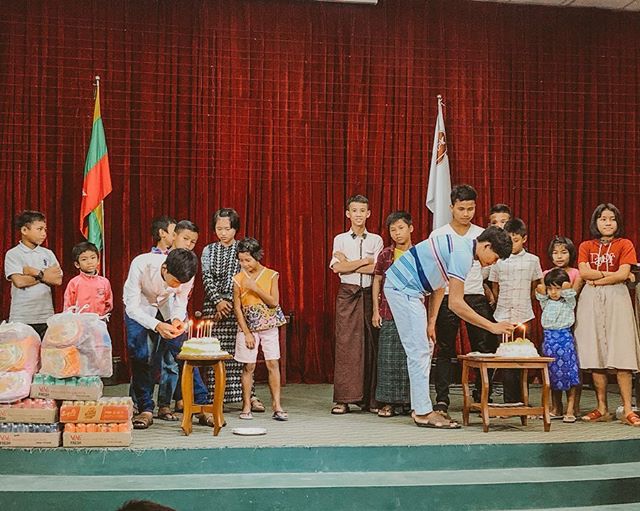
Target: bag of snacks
[76,344]
[19,348]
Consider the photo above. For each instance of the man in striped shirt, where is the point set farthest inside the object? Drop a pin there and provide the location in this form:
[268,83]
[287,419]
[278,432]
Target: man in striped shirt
[427,269]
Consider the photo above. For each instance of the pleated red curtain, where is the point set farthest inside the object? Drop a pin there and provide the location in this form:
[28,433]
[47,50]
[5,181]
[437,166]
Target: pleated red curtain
[282,109]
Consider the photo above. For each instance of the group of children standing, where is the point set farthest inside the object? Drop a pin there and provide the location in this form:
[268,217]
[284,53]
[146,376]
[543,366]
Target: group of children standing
[375,372]
[242,301]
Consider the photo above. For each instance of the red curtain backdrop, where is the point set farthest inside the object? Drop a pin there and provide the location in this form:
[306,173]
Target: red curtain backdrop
[283,109]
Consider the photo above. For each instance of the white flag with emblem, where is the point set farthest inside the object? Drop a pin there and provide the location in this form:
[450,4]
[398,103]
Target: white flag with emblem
[439,189]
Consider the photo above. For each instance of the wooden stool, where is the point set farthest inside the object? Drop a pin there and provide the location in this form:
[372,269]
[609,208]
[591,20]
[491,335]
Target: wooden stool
[491,410]
[187,390]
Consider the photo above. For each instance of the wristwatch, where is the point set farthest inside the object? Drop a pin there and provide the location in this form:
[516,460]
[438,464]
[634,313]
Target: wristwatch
[39,276]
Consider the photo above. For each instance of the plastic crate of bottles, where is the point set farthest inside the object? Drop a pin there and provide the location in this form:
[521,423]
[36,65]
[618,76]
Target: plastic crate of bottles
[14,434]
[77,387]
[42,411]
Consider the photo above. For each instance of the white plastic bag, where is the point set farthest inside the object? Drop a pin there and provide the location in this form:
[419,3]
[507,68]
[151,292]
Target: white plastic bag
[76,344]
[19,348]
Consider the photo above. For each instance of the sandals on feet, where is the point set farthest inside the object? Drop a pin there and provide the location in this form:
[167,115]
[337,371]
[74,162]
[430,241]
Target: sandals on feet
[280,415]
[165,414]
[436,421]
[387,411]
[142,420]
[340,409]
[632,419]
[246,416]
[597,416]
[257,406]
[569,419]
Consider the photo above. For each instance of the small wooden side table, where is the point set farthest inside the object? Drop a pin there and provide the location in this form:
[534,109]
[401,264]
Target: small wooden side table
[487,410]
[190,407]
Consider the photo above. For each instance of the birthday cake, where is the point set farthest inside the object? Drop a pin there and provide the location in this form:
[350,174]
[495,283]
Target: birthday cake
[518,348]
[202,347]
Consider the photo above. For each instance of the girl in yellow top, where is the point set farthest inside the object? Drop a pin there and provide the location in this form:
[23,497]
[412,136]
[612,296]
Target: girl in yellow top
[256,305]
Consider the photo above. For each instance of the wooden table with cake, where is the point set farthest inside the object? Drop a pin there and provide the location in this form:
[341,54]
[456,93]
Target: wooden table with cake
[512,353]
[203,352]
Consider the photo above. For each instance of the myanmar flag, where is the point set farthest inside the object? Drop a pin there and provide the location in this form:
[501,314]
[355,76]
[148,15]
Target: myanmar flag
[97,181]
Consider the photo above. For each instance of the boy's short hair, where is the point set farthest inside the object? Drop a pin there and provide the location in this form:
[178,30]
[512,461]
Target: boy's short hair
[27,217]
[398,215]
[462,193]
[593,226]
[186,225]
[500,208]
[516,226]
[182,264]
[571,248]
[556,277]
[81,248]
[162,222]
[143,505]
[499,240]
[251,246]
[230,213]
[357,198]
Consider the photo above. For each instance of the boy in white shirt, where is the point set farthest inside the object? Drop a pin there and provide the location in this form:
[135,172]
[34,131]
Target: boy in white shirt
[463,208]
[33,270]
[514,281]
[156,293]
[354,255]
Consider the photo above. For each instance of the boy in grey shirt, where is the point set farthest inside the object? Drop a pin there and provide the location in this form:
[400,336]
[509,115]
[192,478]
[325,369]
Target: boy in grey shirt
[33,270]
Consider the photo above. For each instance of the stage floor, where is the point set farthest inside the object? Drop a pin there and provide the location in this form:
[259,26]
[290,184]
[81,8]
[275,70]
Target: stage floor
[311,424]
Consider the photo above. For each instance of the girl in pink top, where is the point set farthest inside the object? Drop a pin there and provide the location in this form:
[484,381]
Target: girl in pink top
[88,289]
[563,254]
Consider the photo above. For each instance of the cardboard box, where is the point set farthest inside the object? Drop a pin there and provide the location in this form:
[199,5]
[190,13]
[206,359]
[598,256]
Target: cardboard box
[96,414]
[97,439]
[33,415]
[30,439]
[67,392]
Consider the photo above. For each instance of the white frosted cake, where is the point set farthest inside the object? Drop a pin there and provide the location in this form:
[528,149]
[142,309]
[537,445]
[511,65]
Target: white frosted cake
[202,347]
[518,348]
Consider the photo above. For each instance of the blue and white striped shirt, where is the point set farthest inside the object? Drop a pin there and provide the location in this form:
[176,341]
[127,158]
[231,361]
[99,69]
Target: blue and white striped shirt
[431,263]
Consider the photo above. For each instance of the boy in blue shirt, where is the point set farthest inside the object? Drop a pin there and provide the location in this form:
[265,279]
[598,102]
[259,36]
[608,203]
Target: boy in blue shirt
[426,269]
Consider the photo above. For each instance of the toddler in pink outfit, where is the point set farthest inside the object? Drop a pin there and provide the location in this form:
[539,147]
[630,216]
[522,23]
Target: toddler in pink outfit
[88,289]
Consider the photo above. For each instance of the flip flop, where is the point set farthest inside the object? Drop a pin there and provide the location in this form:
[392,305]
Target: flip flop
[280,415]
[569,419]
[597,416]
[246,416]
[165,414]
[632,419]
[435,425]
[387,411]
[340,409]
[257,406]
[142,420]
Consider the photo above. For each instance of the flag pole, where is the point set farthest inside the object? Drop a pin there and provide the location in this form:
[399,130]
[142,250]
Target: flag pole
[102,215]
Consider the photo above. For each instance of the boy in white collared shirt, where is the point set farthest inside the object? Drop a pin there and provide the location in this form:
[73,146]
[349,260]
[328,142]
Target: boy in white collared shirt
[33,270]
[514,281]
[156,293]
[354,255]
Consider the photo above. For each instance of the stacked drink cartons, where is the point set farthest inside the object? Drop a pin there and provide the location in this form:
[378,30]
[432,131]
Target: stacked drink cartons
[76,387]
[104,422]
[30,423]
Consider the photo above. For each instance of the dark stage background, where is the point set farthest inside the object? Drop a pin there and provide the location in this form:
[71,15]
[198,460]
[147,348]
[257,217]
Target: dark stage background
[282,109]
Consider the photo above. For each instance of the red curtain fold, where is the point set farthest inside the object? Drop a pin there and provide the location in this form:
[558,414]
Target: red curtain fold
[283,109]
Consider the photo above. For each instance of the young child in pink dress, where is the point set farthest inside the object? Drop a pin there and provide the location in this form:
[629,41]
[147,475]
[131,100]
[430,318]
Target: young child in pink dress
[88,291]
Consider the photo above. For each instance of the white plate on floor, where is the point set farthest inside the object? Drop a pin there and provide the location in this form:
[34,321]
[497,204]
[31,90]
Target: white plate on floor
[249,431]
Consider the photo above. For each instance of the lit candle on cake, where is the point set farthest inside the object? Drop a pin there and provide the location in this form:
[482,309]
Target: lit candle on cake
[190,328]
[198,329]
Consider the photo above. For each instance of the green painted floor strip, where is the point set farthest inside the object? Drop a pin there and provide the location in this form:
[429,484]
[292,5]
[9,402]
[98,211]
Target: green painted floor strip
[62,484]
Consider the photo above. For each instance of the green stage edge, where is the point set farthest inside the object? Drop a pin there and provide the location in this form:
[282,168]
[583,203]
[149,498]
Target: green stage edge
[443,477]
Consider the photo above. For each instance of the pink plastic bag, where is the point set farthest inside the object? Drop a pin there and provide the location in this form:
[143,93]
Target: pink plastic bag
[76,344]
[19,348]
